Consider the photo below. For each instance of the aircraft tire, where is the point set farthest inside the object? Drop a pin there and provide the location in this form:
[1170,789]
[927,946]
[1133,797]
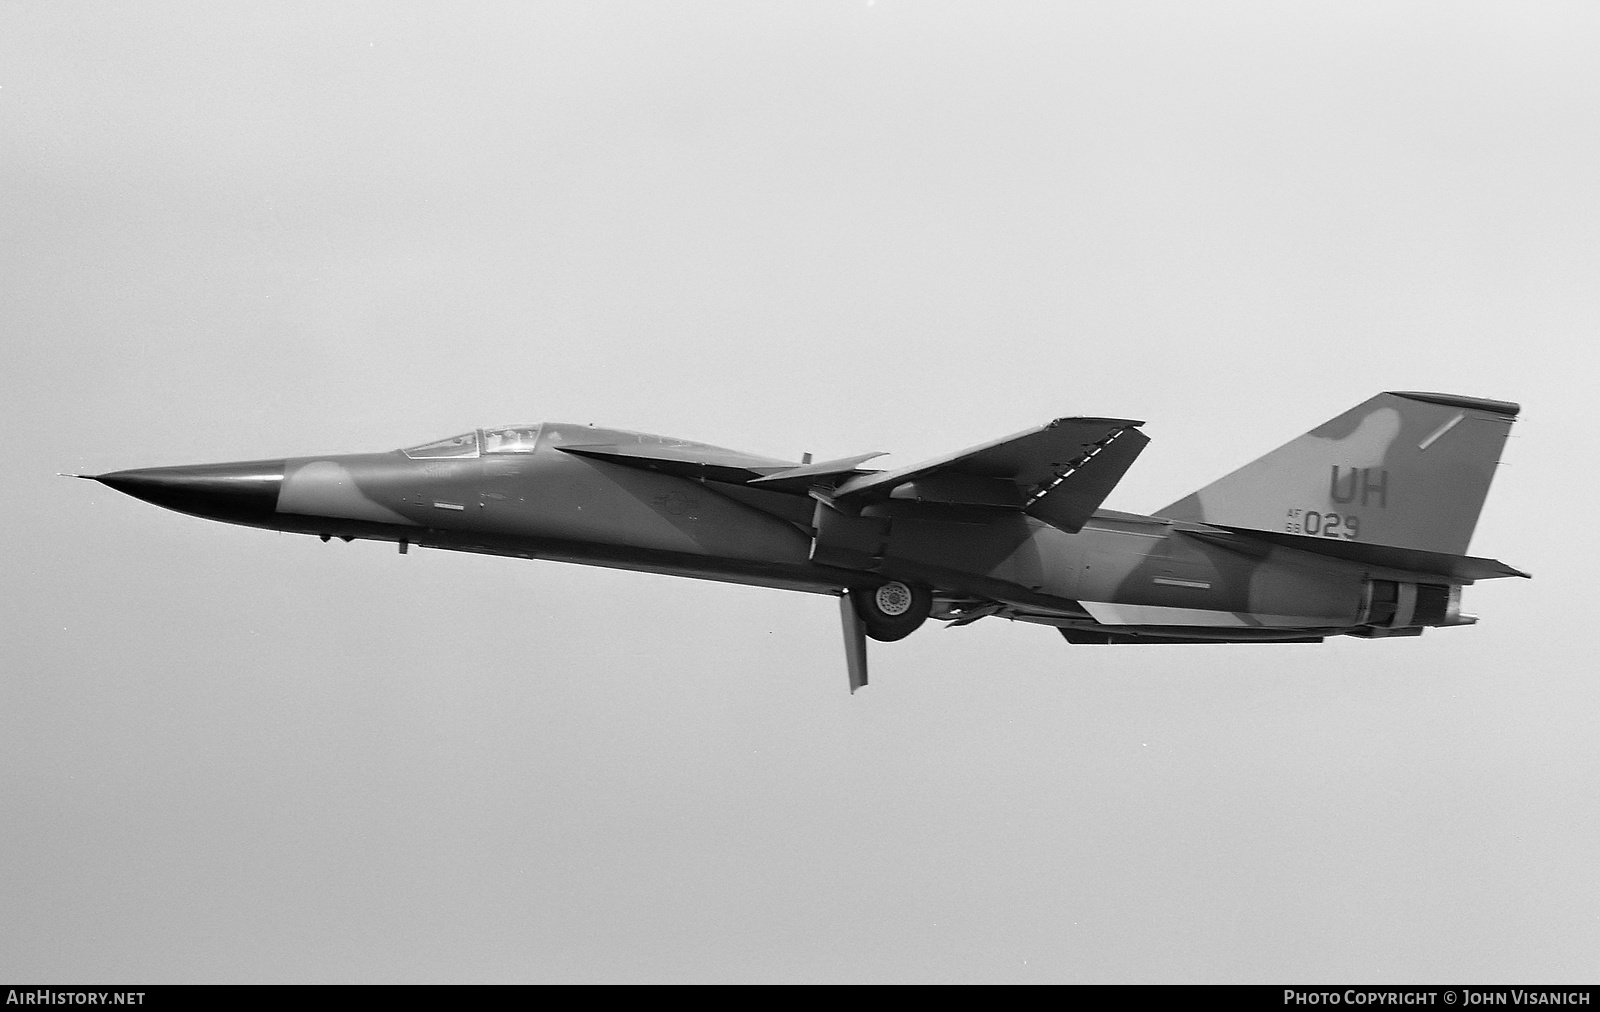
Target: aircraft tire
[892,611]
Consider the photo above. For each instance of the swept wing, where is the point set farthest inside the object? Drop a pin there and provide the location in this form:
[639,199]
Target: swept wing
[1059,472]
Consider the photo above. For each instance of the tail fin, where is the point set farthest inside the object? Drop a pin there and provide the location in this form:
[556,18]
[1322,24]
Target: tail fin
[1408,470]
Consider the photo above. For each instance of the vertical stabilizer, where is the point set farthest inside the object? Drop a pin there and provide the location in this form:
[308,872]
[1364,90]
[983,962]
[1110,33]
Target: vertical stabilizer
[1409,470]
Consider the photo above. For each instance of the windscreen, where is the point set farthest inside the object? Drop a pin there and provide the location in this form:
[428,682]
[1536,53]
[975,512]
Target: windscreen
[464,445]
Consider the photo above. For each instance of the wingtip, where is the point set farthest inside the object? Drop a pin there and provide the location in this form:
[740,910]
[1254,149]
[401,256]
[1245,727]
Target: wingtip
[1128,423]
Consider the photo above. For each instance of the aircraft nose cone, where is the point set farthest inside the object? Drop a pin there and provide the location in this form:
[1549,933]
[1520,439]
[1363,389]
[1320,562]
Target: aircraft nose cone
[238,493]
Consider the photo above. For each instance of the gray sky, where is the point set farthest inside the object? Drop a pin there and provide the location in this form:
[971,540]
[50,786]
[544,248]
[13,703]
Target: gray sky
[231,233]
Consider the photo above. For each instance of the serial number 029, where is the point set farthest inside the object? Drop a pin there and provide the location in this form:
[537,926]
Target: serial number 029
[1323,525]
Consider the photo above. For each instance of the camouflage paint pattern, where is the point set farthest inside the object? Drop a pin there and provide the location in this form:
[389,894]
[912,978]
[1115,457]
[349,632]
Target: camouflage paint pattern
[1128,571]
[1402,470]
[980,528]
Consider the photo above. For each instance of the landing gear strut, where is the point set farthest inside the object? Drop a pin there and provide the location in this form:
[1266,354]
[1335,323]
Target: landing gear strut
[890,612]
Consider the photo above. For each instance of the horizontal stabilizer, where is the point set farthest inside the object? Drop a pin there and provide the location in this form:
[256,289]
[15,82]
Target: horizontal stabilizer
[1180,634]
[1060,472]
[1110,613]
[1454,568]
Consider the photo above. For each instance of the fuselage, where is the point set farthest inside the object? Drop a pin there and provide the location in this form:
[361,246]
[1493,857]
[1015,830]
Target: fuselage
[539,496]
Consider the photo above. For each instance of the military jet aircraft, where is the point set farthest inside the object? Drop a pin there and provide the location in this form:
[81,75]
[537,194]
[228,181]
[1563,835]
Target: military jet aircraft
[1359,527]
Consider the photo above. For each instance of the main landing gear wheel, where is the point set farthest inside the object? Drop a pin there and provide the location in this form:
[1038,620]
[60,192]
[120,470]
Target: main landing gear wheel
[893,611]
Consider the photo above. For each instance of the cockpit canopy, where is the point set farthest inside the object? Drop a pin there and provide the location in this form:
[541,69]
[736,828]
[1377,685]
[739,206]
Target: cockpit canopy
[506,439]
[511,439]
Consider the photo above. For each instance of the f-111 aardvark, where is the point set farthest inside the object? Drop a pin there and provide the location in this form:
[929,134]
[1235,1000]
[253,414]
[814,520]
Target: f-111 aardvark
[1359,527]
